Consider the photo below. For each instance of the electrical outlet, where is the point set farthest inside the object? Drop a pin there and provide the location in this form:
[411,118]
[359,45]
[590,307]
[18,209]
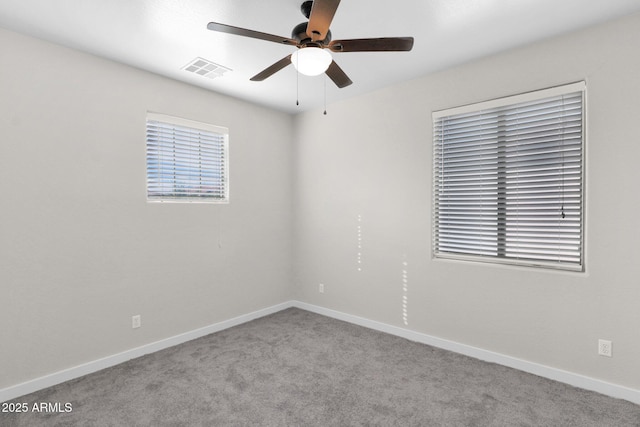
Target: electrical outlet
[321,288]
[604,348]
[136,321]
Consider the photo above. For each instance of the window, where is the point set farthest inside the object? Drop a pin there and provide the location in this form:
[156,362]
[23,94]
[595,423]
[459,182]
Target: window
[508,180]
[186,160]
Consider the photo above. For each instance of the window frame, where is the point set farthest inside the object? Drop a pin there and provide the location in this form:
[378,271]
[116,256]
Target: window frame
[503,103]
[220,131]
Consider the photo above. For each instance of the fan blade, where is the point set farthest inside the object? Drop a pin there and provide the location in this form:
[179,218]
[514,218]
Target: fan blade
[320,18]
[338,76]
[269,71]
[383,44]
[223,28]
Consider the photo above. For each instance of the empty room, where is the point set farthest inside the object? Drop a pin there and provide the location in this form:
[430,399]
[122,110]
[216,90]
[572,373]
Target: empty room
[328,213]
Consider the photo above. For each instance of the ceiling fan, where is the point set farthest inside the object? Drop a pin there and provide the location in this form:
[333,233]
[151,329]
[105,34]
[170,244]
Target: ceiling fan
[313,40]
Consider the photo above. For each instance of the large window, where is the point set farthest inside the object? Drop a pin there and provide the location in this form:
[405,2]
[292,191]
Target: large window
[186,160]
[508,179]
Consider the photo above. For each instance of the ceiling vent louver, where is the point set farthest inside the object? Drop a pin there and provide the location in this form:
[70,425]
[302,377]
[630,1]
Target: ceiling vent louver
[205,68]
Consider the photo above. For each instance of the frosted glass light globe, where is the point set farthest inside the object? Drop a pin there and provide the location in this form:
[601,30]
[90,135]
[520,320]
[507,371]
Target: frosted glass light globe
[311,61]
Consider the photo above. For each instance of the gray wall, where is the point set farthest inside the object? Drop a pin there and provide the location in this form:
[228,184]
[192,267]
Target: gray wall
[81,250]
[368,164]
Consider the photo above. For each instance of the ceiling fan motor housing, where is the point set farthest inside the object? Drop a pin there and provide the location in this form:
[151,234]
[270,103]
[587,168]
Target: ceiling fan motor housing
[299,33]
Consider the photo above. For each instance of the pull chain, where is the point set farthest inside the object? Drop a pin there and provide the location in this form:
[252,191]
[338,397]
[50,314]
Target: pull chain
[325,94]
[562,171]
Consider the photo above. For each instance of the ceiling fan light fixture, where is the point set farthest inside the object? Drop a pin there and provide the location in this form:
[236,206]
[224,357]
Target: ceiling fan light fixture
[311,61]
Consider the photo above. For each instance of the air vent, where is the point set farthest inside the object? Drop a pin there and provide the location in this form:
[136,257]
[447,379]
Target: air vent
[205,68]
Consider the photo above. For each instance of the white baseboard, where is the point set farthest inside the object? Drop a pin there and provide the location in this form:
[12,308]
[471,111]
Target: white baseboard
[576,380]
[87,368]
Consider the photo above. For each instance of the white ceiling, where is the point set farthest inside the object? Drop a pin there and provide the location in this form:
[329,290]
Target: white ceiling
[162,36]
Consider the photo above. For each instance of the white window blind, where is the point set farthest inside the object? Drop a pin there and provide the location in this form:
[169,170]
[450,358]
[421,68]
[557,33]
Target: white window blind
[508,180]
[186,160]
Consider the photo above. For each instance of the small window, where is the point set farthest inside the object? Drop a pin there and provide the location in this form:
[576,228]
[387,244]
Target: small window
[508,180]
[186,161]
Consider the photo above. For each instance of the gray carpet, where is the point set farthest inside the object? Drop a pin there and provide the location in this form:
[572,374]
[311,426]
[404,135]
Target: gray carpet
[296,368]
